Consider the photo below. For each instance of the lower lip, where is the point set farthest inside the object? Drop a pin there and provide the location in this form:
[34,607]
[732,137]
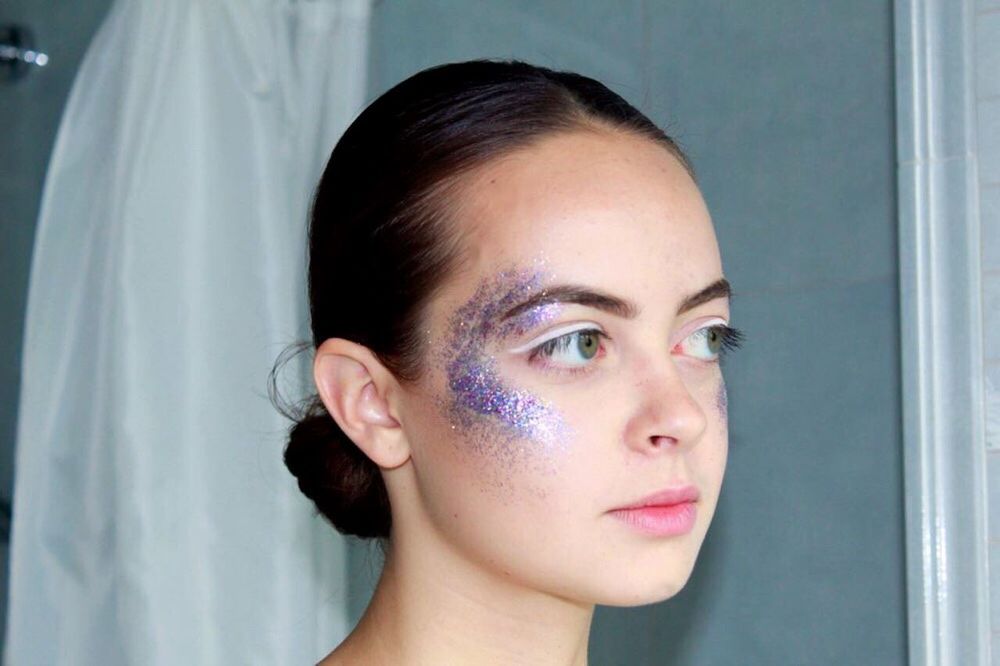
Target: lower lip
[660,520]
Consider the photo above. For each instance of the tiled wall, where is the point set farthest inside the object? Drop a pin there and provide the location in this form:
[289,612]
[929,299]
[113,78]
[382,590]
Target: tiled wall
[987,42]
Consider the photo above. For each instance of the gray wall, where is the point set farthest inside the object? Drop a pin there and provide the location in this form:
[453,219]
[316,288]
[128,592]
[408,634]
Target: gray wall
[29,116]
[787,111]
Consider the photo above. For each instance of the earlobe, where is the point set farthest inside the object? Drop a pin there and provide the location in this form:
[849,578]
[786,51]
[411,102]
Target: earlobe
[353,386]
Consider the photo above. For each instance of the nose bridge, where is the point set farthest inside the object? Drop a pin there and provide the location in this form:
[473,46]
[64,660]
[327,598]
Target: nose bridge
[666,410]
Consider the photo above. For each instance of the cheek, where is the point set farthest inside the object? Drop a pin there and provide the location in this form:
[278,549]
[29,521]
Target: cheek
[501,436]
[498,416]
[510,500]
[708,388]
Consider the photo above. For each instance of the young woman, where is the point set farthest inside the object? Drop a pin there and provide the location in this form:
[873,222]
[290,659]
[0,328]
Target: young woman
[518,311]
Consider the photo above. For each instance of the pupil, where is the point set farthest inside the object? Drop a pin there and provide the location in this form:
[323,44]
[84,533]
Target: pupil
[714,340]
[587,344]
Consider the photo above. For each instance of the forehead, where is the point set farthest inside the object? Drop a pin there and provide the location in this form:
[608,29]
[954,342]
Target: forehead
[594,207]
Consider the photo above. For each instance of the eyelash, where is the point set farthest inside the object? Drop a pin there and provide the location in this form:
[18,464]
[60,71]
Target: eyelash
[731,340]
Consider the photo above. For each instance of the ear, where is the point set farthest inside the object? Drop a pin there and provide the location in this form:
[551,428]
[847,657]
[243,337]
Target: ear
[357,391]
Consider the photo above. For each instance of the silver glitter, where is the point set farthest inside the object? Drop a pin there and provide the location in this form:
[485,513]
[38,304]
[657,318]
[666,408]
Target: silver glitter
[498,417]
[722,400]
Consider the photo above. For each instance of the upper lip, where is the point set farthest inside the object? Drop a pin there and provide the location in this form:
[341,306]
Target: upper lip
[666,497]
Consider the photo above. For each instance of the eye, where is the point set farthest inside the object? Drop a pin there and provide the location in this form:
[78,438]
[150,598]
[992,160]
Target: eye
[570,350]
[710,343]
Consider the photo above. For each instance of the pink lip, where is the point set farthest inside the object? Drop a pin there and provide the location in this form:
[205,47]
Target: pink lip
[666,513]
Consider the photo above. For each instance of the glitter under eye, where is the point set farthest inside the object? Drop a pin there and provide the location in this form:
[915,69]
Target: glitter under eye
[476,388]
[722,400]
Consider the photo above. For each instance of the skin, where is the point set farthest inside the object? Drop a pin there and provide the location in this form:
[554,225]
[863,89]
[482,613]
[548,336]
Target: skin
[502,545]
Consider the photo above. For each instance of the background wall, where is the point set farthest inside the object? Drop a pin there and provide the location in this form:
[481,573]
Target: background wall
[987,81]
[30,110]
[786,109]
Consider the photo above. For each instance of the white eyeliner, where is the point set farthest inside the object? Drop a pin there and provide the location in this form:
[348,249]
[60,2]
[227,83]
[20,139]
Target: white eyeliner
[712,322]
[553,334]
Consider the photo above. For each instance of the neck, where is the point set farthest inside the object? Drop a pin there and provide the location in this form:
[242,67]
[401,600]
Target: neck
[432,605]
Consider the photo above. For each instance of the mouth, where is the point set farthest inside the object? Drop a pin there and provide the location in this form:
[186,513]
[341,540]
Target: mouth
[669,512]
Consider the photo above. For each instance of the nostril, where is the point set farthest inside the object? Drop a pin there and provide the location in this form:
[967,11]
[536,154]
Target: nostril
[660,440]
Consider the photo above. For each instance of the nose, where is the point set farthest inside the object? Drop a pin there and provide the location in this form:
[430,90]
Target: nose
[667,415]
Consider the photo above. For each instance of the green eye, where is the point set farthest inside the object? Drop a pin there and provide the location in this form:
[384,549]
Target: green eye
[574,349]
[714,339]
[712,342]
[587,343]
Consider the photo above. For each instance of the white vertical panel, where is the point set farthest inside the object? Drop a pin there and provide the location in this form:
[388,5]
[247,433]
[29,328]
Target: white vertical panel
[939,245]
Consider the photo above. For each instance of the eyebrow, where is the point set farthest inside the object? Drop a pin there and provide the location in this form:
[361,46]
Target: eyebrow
[718,289]
[570,293]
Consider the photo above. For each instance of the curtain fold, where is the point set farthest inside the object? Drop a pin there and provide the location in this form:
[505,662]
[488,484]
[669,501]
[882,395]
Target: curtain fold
[154,521]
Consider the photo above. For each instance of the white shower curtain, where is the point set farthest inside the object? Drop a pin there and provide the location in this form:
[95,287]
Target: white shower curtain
[154,522]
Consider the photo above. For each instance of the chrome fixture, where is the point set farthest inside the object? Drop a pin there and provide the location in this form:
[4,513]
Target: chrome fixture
[18,56]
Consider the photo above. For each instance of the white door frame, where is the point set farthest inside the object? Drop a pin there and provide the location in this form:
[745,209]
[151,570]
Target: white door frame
[941,325]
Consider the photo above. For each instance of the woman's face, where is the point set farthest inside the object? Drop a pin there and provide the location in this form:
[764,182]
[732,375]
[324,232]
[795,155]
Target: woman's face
[572,370]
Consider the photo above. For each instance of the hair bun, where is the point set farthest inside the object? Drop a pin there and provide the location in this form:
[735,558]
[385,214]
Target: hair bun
[333,472]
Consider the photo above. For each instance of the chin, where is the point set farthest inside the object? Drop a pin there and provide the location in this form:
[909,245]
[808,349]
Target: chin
[639,590]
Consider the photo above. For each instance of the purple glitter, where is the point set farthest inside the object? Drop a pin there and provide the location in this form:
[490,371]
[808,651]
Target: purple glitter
[476,388]
[722,400]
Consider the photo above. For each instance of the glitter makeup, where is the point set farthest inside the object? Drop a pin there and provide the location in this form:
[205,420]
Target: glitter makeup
[502,421]
[722,400]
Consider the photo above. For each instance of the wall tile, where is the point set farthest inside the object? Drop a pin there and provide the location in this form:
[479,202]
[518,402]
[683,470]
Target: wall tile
[988,135]
[988,54]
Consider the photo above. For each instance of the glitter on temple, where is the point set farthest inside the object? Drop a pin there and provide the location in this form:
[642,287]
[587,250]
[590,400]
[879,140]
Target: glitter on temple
[477,390]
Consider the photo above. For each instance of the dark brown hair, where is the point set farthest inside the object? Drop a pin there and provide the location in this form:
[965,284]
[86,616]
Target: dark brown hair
[381,243]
